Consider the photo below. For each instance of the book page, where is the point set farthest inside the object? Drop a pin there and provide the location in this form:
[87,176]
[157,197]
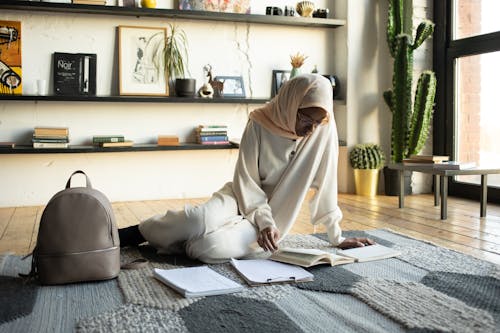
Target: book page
[197,281]
[307,257]
[370,252]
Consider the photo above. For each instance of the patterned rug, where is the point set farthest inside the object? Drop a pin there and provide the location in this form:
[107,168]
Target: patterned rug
[426,289]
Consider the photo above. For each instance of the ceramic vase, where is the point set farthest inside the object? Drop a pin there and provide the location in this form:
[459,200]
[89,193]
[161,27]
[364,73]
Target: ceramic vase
[294,72]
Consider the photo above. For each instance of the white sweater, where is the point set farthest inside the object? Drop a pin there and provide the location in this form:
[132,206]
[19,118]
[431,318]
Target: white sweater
[273,175]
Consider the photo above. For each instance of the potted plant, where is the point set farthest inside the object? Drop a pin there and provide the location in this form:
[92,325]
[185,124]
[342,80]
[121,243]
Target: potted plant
[176,63]
[366,159]
[410,123]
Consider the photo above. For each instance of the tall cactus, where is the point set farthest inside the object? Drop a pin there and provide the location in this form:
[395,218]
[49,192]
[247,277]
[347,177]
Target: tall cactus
[410,123]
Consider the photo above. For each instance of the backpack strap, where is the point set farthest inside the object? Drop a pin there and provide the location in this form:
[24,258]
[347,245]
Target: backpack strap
[68,183]
[135,264]
[33,274]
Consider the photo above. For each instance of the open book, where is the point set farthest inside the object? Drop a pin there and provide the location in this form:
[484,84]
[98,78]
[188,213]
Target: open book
[197,281]
[369,253]
[309,257]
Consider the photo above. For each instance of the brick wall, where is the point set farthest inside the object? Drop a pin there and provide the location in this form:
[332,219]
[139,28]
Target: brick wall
[469,85]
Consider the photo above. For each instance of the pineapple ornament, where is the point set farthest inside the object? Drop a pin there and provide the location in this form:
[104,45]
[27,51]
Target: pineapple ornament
[296,61]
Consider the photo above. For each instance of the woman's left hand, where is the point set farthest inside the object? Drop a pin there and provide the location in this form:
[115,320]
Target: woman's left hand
[268,239]
[350,243]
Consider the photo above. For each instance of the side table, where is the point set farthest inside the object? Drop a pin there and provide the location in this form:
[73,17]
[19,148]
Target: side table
[441,177]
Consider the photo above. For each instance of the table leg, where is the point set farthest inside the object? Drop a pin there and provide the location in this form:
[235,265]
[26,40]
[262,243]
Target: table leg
[401,188]
[444,197]
[437,185]
[484,195]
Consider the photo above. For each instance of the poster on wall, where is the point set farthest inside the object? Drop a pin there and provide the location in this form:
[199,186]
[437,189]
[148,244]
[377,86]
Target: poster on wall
[225,6]
[10,58]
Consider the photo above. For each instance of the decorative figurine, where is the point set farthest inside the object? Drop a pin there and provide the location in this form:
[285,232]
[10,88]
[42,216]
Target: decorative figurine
[206,91]
[218,86]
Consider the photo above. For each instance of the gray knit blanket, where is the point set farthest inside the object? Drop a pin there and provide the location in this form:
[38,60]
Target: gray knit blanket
[426,289]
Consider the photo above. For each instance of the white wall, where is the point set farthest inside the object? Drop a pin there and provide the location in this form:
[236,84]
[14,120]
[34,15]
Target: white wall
[249,50]
[357,53]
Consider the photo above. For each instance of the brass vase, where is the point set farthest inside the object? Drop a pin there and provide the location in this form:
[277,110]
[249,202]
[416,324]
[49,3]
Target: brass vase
[366,181]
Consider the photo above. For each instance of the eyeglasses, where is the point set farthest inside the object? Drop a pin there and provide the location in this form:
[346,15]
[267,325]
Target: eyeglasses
[307,120]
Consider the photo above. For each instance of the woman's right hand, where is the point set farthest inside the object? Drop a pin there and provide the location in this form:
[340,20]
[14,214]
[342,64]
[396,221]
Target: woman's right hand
[268,239]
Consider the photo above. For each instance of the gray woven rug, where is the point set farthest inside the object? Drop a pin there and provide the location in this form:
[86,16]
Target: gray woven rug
[426,289]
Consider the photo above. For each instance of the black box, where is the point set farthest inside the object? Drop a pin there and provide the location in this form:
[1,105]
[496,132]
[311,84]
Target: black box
[75,73]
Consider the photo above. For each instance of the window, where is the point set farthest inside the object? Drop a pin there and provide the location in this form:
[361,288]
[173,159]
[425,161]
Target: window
[467,65]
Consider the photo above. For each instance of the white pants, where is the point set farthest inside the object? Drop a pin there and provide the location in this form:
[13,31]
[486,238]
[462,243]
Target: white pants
[212,232]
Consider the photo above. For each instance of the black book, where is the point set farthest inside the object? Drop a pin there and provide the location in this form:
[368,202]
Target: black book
[75,73]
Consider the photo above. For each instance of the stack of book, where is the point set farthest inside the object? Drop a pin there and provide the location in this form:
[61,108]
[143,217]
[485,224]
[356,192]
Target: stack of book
[50,137]
[168,140]
[212,135]
[89,2]
[111,141]
[426,159]
[437,162]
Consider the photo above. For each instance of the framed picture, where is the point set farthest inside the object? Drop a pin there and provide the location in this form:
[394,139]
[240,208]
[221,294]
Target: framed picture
[141,60]
[232,86]
[279,77]
[10,58]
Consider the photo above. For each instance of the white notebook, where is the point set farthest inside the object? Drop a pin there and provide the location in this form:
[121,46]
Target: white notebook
[197,281]
[262,271]
[370,252]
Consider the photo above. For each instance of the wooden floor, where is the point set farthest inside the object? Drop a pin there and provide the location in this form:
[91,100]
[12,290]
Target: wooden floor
[463,231]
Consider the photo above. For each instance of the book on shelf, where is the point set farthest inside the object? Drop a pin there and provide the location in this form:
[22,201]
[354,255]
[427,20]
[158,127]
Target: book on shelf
[370,253]
[40,131]
[309,257]
[50,144]
[96,139]
[211,133]
[126,143]
[74,73]
[211,128]
[7,144]
[197,281]
[167,140]
[213,138]
[226,142]
[430,158]
[264,271]
[50,139]
[445,165]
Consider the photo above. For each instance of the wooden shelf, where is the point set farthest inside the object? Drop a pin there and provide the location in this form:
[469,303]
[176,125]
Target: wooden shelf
[171,13]
[94,149]
[138,99]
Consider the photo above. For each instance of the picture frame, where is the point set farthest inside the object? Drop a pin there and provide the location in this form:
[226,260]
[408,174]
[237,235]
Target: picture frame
[233,86]
[278,78]
[141,63]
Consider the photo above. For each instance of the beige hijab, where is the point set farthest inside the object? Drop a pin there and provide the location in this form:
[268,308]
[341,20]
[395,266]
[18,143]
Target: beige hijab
[303,91]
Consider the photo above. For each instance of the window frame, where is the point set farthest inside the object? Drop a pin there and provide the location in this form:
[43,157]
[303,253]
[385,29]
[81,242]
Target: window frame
[445,51]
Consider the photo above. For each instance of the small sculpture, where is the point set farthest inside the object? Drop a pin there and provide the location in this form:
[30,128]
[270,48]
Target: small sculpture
[305,8]
[206,91]
[218,86]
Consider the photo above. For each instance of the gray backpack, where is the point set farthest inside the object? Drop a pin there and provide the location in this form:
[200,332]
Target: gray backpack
[77,238]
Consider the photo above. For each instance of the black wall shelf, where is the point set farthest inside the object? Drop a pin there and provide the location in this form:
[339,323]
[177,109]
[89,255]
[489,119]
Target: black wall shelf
[94,149]
[138,99]
[171,13]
